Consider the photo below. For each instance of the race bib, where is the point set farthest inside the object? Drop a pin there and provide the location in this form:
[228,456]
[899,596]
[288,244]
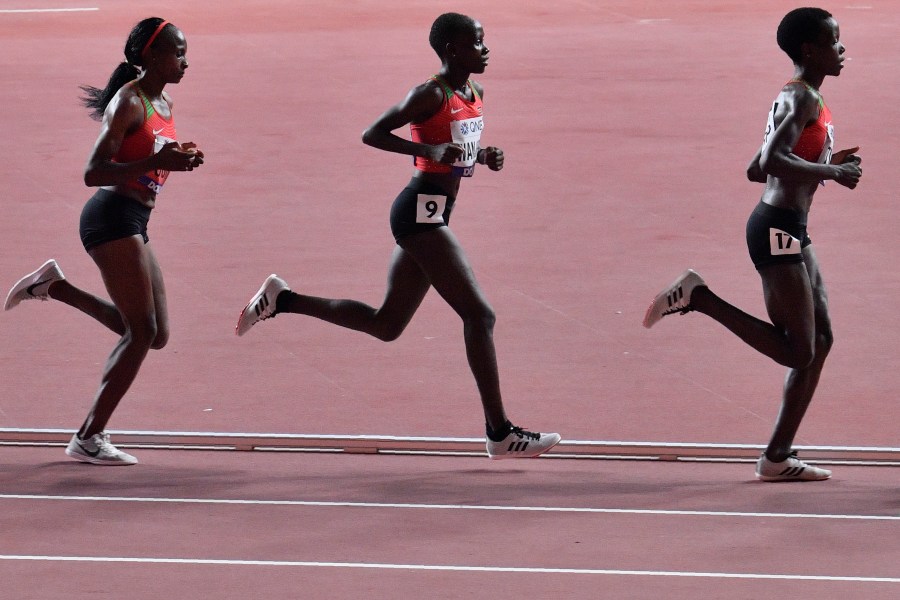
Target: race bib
[430,208]
[781,242]
[467,133]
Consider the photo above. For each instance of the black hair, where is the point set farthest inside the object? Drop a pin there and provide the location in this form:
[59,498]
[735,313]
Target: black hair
[445,28]
[798,27]
[98,99]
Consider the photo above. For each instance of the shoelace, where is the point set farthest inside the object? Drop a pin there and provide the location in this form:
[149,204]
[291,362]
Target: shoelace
[524,434]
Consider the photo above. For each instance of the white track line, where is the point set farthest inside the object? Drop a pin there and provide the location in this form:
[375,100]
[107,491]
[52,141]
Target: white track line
[481,569]
[390,505]
[44,10]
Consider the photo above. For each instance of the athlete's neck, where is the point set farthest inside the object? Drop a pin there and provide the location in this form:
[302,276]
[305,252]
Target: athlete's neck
[457,80]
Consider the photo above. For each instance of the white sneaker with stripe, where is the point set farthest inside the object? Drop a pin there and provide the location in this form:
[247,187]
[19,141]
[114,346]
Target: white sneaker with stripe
[261,305]
[790,469]
[520,443]
[674,299]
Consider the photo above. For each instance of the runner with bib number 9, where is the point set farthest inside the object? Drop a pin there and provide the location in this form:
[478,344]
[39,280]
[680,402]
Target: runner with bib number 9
[445,115]
[795,157]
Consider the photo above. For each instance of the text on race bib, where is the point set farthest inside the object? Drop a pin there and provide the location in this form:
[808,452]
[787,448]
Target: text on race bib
[430,208]
[781,243]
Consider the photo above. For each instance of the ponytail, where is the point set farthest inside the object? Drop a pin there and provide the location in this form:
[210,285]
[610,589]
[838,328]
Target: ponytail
[97,100]
[142,36]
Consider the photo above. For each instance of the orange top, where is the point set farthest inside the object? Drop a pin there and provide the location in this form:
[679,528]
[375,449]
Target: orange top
[149,139]
[458,121]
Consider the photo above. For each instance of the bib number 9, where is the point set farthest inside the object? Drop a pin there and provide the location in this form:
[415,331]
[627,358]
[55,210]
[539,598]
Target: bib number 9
[430,208]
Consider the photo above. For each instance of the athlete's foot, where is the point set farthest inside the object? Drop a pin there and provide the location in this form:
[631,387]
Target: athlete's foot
[519,443]
[674,299]
[789,469]
[262,304]
[98,450]
[36,285]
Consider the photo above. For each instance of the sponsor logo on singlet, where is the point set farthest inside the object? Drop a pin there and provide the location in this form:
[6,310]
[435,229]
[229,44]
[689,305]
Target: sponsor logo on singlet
[467,133]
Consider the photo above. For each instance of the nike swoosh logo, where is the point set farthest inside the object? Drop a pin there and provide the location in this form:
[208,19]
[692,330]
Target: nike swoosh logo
[453,111]
[30,289]
[155,132]
[88,452]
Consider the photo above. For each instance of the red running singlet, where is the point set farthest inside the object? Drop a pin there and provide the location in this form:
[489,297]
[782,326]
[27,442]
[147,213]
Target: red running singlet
[816,142]
[150,137]
[458,121]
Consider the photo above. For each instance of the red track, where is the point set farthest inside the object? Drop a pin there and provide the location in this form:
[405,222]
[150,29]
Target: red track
[627,127]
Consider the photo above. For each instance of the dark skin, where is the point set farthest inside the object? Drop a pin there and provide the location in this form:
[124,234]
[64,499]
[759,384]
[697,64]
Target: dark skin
[799,335]
[431,258]
[132,276]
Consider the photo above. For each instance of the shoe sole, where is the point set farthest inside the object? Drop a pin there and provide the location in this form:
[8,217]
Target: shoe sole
[511,456]
[95,461]
[776,478]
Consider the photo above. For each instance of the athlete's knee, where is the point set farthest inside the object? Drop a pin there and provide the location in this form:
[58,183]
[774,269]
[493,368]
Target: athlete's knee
[483,318]
[386,329]
[389,333]
[143,331]
[161,339]
[824,342]
[802,355]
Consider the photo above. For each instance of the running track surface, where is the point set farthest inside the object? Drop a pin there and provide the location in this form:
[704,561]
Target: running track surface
[626,127]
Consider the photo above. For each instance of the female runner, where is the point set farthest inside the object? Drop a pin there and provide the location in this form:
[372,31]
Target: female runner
[130,162]
[446,121]
[796,155]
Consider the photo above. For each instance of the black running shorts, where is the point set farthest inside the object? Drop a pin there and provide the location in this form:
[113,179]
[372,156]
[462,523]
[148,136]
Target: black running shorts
[421,206]
[776,236]
[109,216]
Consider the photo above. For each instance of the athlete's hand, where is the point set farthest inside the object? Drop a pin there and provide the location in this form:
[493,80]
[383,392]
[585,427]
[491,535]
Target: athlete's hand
[194,149]
[445,153]
[493,158]
[171,157]
[841,156]
[848,169]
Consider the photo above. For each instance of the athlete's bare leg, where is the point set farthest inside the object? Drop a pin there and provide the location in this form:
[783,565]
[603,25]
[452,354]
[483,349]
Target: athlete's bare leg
[134,282]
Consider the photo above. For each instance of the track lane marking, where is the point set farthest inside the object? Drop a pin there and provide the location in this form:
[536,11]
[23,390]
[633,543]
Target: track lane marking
[423,506]
[468,568]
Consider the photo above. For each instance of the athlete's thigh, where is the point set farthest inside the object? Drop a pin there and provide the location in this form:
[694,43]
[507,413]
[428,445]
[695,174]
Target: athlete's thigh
[407,285]
[789,298]
[126,270]
[160,303]
[441,257]
[817,283]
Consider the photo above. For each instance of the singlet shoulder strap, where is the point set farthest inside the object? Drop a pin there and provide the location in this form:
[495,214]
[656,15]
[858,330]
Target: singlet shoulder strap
[448,91]
[440,81]
[811,89]
[148,106]
[474,91]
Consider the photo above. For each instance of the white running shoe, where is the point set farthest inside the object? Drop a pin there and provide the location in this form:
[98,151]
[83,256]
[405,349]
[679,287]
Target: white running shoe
[34,285]
[674,299]
[98,450]
[790,469]
[521,444]
[262,305]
